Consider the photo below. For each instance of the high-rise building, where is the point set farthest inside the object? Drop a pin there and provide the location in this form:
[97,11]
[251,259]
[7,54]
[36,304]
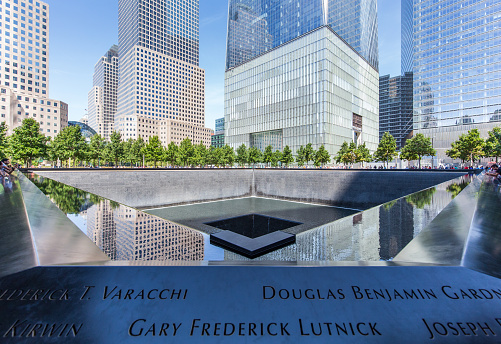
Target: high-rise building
[217,140]
[160,85]
[457,67]
[407,39]
[256,26]
[24,67]
[395,107]
[103,96]
[293,79]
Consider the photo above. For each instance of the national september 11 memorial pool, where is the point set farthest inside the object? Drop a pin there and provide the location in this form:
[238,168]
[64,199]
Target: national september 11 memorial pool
[376,256]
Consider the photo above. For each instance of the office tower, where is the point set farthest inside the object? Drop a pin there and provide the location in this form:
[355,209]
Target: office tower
[103,96]
[457,69]
[395,107]
[160,85]
[292,79]
[24,67]
[407,39]
[256,26]
[217,140]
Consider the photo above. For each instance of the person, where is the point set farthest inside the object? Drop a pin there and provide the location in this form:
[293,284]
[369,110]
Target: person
[494,171]
[6,167]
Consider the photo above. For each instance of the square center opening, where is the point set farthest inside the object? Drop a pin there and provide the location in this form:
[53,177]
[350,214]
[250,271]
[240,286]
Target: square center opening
[253,225]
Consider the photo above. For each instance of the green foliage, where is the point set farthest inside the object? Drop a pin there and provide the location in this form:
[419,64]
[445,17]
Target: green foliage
[199,157]
[268,154]
[300,156]
[322,157]
[287,157]
[27,143]
[137,152]
[255,155]
[387,149]
[242,155]
[347,153]
[185,152]
[469,147]
[455,188]
[3,139]
[70,144]
[114,149]
[276,158]
[309,153]
[154,150]
[96,149]
[422,198]
[171,154]
[417,147]
[363,154]
[228,155]
[67,198]
[492,144]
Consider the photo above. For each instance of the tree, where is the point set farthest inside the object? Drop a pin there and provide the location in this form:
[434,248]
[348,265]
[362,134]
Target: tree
[363,154]
[300,159]
[276,158]
[228,155]
[114,149]
[347,153]
[255,155]
[268,154]
[154,151]
[493,144]
[309,153]
[27,143]
[468,147]
[417,147]
[185,152]
[242,155]
[342,152]
[322,156]
[199,157]
[287,157]
[171,153]
[387,149]
[138,150]
[96,149]
[3,139]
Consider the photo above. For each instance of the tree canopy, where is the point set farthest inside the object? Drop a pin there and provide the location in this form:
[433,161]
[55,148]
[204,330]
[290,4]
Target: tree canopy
[387,149]
[469,147]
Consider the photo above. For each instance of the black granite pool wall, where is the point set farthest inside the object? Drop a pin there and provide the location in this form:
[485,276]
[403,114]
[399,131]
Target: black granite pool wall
[355,189]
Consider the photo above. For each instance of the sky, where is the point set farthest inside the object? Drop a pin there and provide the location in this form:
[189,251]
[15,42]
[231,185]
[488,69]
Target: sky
[81,31]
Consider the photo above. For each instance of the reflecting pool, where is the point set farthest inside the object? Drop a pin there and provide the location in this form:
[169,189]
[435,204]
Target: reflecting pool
[181,233]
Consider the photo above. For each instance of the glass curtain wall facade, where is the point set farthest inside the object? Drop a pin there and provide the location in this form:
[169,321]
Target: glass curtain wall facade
[395,107]
[407,40]
[256,26]
[457,68]
[310,90]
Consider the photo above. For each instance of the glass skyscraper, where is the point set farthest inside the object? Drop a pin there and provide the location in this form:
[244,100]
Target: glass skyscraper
[395,107]
[160,85]
[256,26]
[292,79]
[456,56]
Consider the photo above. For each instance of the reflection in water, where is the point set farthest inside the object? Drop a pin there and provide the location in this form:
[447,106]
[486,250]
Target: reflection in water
[456,188]
[121,232]
[422,198]
[379,233]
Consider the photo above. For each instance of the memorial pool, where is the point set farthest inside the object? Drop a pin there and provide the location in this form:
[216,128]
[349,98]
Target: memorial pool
[182,232]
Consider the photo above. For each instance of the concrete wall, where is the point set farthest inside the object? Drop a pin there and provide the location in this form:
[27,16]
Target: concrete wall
[148,189]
